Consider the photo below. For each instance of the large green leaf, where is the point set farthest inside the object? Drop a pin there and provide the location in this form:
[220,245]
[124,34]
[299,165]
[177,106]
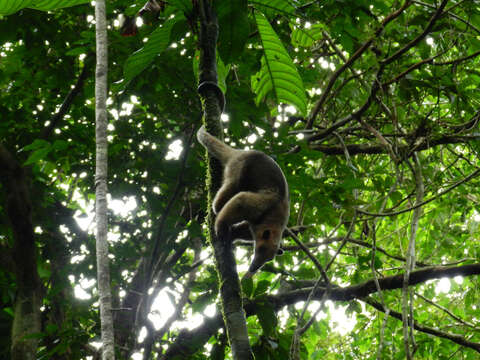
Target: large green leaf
[156,44]
[278,74]
[274,7]
[234,28]
[268,318]
[8,7]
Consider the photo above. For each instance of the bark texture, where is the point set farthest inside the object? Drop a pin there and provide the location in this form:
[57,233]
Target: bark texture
[229,284]
[103,271]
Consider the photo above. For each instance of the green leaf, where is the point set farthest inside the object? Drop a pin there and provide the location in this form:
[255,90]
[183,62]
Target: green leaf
[247,286]
[268,319]
[77,51]
[470,298]
[274,7]
[222,72]
[278,74]
[353,307]
[262,287]
[377,263]
[183,5]
[44,271]
[12,6]
[9,311]
[60,145]
[306,37]
[38,155]
[37,144]
[47,5]
[156,44]
[51,328]
[233,22]
[202,301]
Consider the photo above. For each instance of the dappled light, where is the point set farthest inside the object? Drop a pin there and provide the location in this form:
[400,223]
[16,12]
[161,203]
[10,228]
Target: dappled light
[371,111]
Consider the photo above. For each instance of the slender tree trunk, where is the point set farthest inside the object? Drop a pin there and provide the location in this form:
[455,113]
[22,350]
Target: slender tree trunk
[28,299]
[103,272]
[26,320]
[407,301]
[230,291]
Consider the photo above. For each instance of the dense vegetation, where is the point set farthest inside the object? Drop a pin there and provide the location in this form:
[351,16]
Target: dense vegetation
[370,107]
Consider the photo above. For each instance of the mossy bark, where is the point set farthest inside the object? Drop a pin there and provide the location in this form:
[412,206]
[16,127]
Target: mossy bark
[229,284]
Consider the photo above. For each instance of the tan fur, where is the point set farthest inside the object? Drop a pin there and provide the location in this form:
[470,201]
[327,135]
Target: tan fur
[254,189]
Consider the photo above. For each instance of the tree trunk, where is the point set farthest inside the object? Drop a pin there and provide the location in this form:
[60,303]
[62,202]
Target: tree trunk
[103,272]
[27,302]
[230,291]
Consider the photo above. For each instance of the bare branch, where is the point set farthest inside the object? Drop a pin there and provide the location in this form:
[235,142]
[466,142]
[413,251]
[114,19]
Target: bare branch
[311,256]
[356,149]
[68,101]
[155,259]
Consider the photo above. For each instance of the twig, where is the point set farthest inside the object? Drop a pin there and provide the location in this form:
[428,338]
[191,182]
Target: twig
[444,309]
[344,241]
[441,193]
[178,307]
[154,262]
[67,102]
[407,307]
[457,61]
[350,61]
[415,41]
[411,68]
[191,340]
[380,138]
[310,255]
[452,337]
[449,14]
[360,243]
[382,334]
[345,151]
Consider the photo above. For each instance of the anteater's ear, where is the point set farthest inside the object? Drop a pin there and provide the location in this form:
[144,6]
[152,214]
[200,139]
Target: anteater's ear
[280,251]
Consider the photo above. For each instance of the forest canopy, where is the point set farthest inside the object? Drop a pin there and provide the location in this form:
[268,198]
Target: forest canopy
[372,110]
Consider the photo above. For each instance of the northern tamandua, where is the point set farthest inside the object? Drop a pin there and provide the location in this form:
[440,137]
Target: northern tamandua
[253,189]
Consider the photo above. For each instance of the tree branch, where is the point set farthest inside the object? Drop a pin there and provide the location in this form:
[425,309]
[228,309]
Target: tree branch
[444,309]
[190,341]
[152,334]
[376,85]
[154,262]
[452,337]
[407,301]
[350,61]
[67,102]
[449,14]
[356,149]
[441,193]
[415,41]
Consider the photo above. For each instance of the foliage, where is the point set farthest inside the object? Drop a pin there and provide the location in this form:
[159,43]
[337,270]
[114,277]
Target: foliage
[369,84]
[9,7]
